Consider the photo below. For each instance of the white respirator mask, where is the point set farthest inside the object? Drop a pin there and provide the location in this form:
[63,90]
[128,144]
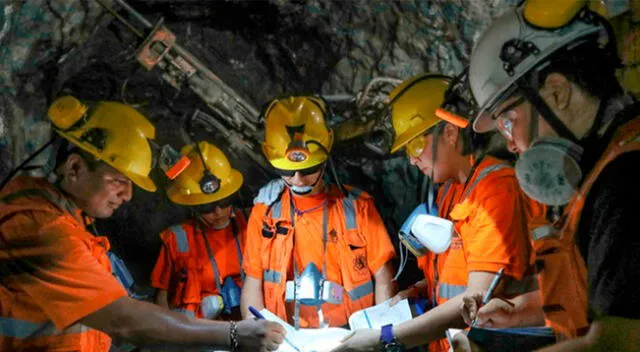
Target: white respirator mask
[422,232]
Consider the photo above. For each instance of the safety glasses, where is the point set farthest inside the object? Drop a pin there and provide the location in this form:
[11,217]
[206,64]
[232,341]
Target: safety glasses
[303,172]
[416,146]
[506,117]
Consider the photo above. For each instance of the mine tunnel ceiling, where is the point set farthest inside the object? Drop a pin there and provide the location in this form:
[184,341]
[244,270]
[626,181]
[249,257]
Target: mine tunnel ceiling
[263,49]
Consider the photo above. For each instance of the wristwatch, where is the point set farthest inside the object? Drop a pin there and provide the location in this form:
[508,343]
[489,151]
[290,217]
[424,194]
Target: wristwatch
[388,341]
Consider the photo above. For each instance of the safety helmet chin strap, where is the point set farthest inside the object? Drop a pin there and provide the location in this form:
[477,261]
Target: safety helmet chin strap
[542,109]
[332,168]
[434,152]
[545,112]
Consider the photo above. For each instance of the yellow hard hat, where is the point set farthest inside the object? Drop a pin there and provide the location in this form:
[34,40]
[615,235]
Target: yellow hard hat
[189,189]
[542,14]
[112,132]
[296,133]
[413,107]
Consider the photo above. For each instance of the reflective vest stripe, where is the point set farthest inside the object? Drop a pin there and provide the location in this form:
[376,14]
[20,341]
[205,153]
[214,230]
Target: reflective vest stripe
[272,276]
[349,206]
[528,283]
[361,291]
[181,238]
[448,291]
[482,175]
[276,210]
[23,329]
[543,232]
[445,189]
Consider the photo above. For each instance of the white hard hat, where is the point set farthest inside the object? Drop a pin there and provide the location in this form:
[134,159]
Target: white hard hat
[511,47]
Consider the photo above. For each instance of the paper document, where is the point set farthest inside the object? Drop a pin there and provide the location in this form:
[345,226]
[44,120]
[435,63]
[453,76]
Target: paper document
[379,315]
[319,340]
[307,340]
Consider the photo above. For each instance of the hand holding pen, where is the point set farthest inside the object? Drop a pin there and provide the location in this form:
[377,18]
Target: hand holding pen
[256,313]
[472,303]
[256,335]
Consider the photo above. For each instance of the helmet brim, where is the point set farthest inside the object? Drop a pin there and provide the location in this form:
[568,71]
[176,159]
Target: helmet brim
[410,134]
[484,123]
[226,190]
[141,181]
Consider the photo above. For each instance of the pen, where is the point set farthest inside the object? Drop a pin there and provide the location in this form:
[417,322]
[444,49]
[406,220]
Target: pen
[487,295]
[256,313]
[449,337]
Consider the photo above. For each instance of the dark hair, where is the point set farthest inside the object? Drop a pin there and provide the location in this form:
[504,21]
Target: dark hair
[588,66]
[471,142]
[65,149]
[459,100]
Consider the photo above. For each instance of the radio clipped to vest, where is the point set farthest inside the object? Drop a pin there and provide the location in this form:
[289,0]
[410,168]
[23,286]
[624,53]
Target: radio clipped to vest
[230,294]
[211,306]
[228,299]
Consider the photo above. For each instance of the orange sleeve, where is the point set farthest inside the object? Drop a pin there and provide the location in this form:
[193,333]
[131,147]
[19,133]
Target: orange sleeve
[379,247]
[536,213]
[161,274]
[57,266]
[252,261]
[497,235]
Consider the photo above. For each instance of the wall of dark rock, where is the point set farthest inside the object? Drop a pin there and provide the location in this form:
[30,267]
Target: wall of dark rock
[261,49]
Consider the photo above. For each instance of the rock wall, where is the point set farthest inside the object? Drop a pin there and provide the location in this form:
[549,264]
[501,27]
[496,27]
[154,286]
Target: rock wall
[262,49]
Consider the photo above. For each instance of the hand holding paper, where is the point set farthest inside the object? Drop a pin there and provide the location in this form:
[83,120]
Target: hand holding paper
[360,340]
[330,339]
[377,316]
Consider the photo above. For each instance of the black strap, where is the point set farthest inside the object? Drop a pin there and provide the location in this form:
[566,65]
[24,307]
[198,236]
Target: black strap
[466,184]
[236,231]
[212,260]
[544,110]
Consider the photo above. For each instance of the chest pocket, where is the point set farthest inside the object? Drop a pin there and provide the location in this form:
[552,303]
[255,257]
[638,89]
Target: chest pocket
[354,261]
[355,255]
[276,244]
[186,281]
[456,258]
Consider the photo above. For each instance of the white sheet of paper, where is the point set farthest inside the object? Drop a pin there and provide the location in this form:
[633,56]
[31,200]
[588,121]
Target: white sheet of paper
[382,314]
[307,340]
[320,340]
